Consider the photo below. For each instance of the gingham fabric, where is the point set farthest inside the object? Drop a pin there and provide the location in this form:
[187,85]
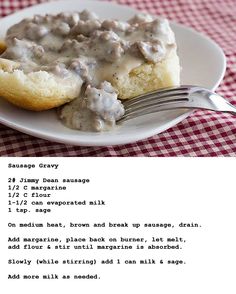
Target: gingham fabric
[201,134]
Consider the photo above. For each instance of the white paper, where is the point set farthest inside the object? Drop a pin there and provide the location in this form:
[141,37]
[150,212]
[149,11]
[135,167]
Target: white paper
[136,225]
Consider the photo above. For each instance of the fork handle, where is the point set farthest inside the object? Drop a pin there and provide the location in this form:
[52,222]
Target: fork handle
[178,106]
[181,105]
[207,100]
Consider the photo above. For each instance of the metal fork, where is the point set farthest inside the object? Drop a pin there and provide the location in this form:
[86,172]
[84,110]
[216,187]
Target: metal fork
[184,97]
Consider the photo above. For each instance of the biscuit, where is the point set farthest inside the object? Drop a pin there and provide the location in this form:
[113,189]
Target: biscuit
[2,47]
[37,90]
[149,77]
[48,58]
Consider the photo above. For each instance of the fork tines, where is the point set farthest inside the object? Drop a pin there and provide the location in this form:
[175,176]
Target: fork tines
[162,96]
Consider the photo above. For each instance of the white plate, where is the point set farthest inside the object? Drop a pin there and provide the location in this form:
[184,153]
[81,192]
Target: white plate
[202,60]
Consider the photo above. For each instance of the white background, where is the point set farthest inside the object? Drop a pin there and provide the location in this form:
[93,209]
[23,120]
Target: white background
[136,190]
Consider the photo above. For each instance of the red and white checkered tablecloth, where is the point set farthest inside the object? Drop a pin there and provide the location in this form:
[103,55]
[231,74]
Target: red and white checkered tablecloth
[201,134]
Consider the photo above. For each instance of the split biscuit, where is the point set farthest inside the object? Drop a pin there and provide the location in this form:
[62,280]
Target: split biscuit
[36,90]
[2,47]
